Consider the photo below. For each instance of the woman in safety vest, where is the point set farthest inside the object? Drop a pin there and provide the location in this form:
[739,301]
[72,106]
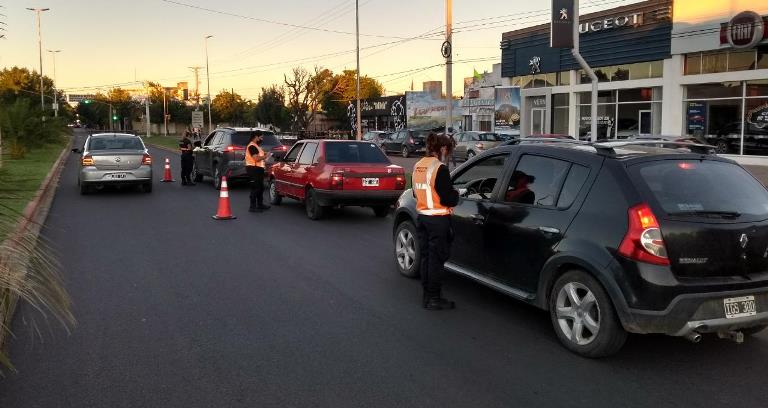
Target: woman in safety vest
[435,199]
[255,167]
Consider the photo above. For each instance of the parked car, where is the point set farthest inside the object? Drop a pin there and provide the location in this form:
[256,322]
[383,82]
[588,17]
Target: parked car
[376,136]
[728,138]
[114,159]
[328,173]
[470,144]
[670,138]
[407,142]
[610,238]
[223,154]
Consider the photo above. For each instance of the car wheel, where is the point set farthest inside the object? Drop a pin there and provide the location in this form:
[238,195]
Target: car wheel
[751,331]
[196,175]
[406,152]
[470,155]
[583,316]
[407,254]
[216,177]
[147,187]
[274,197]
[314,210]
[381,211]
[722,147]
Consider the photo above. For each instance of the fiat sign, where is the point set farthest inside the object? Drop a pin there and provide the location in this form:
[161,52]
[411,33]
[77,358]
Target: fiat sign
[745,30]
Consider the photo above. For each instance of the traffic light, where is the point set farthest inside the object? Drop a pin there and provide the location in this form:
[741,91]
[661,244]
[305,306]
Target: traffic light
[86,101]
[114,117]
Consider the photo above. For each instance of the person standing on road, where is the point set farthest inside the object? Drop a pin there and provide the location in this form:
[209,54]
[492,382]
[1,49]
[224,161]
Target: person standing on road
[187,159]
[450,156]
[435,199]
[255,166]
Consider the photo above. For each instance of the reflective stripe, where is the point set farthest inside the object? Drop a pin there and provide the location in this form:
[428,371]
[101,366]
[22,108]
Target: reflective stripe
[435,212]
[427,199]
[224,194]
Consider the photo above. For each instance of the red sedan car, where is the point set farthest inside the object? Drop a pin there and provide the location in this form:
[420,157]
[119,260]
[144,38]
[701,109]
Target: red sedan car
[329,173]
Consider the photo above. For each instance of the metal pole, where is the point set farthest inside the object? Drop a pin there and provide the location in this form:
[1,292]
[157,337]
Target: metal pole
[359,135]
[40,54]
[165,111]
[110,117]
[585,66]
[449,64]
[55,96]
[149,123]
[208,78]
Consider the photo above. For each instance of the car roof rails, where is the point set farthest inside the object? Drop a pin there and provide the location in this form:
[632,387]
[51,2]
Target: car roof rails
[608,147]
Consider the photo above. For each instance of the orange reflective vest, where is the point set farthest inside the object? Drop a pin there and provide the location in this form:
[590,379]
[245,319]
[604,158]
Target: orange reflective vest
[251,160]
[427,199]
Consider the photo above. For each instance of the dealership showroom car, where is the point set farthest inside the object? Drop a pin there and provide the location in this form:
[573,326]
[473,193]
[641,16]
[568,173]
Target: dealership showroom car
[114,159]
[325,174]
[610,238]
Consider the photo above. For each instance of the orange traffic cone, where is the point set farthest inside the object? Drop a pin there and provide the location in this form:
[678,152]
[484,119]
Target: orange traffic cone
[225,211]
[167,178]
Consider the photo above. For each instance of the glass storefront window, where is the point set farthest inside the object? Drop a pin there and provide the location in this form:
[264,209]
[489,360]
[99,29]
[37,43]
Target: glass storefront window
[757,88]
[657,69]
[560,121]
[756,126]
[636,95]
[714,63]
[564,78]
[693,64]
[642,70]
[720,90]
[602,97]
[560,100]
[741,61]
[762,58]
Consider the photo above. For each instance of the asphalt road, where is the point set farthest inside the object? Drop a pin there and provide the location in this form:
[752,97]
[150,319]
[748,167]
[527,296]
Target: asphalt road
[274,310]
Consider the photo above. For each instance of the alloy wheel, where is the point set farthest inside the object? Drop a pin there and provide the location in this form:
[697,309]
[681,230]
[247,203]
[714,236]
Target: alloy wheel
[578,314]
[405,249]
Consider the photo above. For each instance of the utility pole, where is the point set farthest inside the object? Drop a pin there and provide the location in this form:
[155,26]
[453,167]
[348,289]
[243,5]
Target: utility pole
[585,66]
[359,114]
[208,78]
[40,54]
[196,70]
[448,54]
[149,123]
[165,111]
[55,95]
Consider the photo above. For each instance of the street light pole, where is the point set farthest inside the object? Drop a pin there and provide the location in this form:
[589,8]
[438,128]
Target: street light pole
[208,78]
[358,120]
[449,63]
[40,54]
[55,96]
[165,112]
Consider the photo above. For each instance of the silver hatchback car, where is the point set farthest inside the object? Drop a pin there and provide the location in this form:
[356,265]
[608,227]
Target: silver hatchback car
[114,159]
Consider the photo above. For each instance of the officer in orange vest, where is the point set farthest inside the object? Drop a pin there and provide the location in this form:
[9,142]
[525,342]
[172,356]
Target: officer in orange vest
[255,166]
[435,199]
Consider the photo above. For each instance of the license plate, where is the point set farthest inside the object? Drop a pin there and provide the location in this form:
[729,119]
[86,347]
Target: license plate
[740,307]
[114,176]
[370,182]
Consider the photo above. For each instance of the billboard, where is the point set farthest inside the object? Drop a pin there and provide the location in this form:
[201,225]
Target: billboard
[507,108]
[427,112]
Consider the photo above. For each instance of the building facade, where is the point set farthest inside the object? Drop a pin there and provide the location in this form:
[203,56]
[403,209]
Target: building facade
[479,101]
[664,67]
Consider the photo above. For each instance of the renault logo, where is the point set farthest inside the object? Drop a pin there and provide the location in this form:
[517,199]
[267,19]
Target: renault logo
[117,159]
[744,240]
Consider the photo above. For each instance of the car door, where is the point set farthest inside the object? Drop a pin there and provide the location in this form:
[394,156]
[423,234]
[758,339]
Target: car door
[477,185]
[203,157]
[541,196]
[304,166]
[396,143]
[284,176]
[460,152]
[217,149]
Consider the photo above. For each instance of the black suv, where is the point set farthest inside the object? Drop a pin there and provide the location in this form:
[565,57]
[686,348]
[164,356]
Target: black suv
[406,142]
[223,153]
[610,238]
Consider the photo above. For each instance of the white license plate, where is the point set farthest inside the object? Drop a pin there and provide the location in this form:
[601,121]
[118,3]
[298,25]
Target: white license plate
[370,182]
[116,176]
[740,307]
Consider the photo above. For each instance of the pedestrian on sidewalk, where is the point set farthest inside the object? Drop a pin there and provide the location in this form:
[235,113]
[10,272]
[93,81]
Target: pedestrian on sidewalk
[187,160]
[435,199]
[255,166]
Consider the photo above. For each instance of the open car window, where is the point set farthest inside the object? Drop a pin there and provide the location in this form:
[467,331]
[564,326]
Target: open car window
[478,181]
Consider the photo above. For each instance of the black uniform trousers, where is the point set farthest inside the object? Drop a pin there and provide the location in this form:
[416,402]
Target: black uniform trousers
[186,167]
[435,247]
[256,174]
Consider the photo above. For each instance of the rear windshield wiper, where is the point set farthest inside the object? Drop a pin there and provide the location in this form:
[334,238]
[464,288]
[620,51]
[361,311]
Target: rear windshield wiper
[723,214]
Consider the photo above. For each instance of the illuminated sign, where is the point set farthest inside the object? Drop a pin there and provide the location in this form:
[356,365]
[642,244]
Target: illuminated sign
[745,30]
[631,20]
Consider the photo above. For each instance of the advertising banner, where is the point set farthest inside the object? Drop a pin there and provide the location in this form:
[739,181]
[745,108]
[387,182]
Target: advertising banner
[507,108]
[758,117]
[427,112]
[696,114]
[561,34]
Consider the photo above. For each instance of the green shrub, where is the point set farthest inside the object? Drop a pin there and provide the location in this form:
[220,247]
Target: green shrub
[23,128]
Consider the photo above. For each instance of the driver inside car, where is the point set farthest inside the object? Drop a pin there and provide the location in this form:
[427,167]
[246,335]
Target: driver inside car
[518,191]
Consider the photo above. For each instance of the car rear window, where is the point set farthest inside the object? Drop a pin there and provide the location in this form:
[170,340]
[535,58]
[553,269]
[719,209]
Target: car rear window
[243,138]
[709,189]
[489,137]
[354,152]
[115,143]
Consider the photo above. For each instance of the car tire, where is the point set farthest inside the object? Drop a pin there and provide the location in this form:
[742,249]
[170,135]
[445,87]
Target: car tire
[381,211]
[722,147]
[274,197]
[314,210]
[751,331]
[146,187]
[470,155]
[578,301]
[407,253]
[196,175]
[216,176]
[405,152]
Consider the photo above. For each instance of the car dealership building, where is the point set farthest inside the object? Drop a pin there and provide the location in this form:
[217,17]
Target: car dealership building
[683,67]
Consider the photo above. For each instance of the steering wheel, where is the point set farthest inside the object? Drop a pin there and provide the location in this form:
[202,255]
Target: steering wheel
[478,187]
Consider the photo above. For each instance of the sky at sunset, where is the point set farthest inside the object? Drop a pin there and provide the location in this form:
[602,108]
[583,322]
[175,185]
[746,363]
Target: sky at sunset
[106,43]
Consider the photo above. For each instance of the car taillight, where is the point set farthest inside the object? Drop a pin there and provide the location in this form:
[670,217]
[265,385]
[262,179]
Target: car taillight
[400,182]
[280,148]
[337,180]
[233,148]
[480,146]
[643,241]
[147,159]
[87,161]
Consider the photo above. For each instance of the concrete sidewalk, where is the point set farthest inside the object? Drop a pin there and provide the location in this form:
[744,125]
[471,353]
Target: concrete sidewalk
[761,172]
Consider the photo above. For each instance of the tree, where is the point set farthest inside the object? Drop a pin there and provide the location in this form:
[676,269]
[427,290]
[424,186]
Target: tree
[22,128]
[305,91]
[18,83]
[343,89]
[271,109]
[230,107]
